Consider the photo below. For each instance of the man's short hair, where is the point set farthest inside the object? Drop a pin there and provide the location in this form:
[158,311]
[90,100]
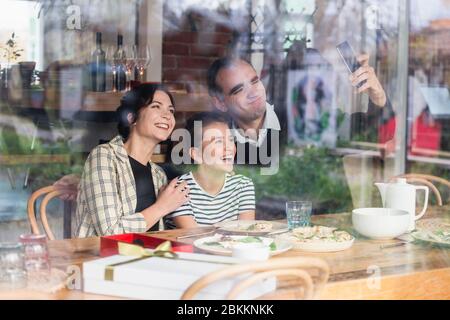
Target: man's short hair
[214,89]
[206,118]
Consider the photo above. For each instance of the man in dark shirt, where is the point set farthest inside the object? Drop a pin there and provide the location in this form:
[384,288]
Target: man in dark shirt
[236,89]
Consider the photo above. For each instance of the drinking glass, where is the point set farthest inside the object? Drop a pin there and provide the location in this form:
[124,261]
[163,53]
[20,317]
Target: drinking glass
[12,266]
[130,64]
[37,262]
[298,213]
[143,59]
[111,68]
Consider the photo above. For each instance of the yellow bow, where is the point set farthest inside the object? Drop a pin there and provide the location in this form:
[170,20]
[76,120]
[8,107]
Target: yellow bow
[164,250]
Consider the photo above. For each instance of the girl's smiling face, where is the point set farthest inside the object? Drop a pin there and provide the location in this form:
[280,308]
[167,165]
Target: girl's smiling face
[218,147]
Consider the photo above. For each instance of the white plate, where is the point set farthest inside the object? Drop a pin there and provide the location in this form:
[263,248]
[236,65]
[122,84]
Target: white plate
[282,246]
[240,226]
[318,245]
[426,227]
[422,236]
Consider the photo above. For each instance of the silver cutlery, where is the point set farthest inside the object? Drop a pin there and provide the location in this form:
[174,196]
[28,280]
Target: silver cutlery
[193,235]
[404,238]
[394,245]
[277,232]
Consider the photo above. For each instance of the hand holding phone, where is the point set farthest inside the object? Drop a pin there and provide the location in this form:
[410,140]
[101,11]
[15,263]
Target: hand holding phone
[349,58]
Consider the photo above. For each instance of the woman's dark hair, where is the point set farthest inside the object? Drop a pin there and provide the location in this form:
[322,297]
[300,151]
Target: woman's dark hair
[206,118]
[133,101]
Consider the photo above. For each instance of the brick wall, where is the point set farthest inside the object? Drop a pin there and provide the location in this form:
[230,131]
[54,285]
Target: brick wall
[190,44]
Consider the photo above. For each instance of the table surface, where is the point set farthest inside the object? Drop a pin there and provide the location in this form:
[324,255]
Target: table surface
[365,271]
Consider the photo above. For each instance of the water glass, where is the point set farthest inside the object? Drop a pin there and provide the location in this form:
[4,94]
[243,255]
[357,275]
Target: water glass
[298,213]
[37,262]
[12,266]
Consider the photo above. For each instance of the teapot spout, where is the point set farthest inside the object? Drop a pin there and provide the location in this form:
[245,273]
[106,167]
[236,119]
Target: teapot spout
[382,188]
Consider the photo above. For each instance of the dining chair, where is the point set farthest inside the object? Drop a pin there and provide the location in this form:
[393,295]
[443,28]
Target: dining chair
[427,180]
[297,278]
[49,193]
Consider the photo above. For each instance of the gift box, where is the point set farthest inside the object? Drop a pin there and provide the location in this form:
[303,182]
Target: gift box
[163,277]
[109,244]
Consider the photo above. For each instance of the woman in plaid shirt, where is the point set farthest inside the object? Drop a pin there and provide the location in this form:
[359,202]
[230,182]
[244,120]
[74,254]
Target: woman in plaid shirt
[121,190]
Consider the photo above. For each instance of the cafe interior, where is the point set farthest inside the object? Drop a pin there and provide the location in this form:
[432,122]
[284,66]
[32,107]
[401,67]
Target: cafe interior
[370,184]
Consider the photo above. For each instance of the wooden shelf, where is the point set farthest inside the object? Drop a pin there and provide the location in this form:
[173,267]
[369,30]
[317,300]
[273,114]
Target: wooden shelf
[9,160]
[34,159]
[109,101]
[101,101]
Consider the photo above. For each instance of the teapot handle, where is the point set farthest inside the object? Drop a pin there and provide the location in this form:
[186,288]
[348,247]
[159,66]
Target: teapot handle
[420,215]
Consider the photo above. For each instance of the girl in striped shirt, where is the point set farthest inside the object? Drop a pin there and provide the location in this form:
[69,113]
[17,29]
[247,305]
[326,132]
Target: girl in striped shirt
[215,193]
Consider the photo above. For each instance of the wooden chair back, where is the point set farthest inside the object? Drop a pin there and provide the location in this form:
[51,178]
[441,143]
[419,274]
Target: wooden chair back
[297,278]
[49,193]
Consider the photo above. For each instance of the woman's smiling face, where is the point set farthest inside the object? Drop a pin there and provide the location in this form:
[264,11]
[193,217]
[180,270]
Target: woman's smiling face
[157,120]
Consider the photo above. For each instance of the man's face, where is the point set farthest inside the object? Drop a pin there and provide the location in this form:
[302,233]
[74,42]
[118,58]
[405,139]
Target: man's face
[244,96]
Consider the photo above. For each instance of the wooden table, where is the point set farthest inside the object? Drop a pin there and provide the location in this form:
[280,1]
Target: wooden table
[365,271]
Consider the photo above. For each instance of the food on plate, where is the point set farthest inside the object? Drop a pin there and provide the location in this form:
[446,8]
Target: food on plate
[258,227]
[433,230]
[228,242]
[441,235]
[254,227]
[319,233]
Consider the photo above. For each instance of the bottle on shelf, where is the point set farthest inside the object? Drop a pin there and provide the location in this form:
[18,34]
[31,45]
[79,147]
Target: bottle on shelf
[119,68]
[98,66]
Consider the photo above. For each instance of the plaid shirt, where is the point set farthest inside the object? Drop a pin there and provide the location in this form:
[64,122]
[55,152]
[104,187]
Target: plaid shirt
[106,201]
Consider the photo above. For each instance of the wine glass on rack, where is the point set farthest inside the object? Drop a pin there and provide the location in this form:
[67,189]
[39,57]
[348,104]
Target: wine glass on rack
[112,66]
[130,64]
[143,59]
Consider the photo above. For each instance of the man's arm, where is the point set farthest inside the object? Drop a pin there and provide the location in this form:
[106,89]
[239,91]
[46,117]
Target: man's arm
[372,86]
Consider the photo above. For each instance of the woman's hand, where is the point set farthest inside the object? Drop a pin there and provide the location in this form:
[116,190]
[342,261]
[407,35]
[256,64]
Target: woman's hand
[172,196]
[372,86]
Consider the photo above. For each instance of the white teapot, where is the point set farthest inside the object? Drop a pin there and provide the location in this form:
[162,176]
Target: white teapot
[401,195]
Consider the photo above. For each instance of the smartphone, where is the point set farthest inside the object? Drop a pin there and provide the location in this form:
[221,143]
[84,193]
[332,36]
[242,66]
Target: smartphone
[349,57]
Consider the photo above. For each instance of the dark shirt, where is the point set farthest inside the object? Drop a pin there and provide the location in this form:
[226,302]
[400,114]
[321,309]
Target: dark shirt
[265,155]
[375,115]
[145,190]
[268,154]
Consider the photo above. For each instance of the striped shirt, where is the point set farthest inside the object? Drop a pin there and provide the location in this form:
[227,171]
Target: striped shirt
[237,196]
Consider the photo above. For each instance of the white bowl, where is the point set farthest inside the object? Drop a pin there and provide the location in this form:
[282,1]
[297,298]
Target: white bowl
[380,223]
[251,251]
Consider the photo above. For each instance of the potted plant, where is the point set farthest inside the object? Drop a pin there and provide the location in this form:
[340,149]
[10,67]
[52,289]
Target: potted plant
[11,52]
